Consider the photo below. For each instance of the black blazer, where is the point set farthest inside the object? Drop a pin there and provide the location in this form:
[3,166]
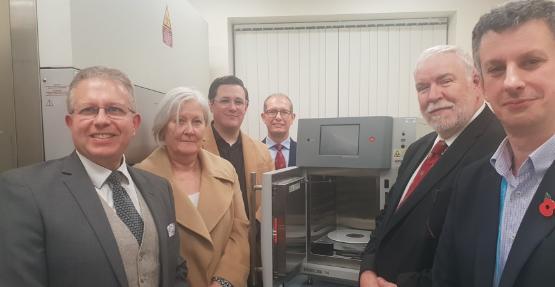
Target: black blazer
[402,248]
[54,231]
[466,251]
[292,152]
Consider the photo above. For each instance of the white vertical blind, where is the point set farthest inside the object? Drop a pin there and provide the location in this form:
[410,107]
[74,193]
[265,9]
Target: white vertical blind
[330,69]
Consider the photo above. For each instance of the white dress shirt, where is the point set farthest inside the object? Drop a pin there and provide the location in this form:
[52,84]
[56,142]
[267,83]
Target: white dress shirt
[285,150]
[98,175]
[448,141]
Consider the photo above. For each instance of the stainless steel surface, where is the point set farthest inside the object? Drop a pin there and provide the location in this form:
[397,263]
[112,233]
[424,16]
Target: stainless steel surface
[8,150]
[349,142]
[321,206]
[289,224]
[303,280]
[336,203]
[338,198]
[357,201]
[267,232]
[143,143]
[331,273]
[57,137]
[404,133]
[253,231]
[26,81]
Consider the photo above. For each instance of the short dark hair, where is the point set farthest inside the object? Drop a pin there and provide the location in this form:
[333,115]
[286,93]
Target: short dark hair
[226,80]
[511,15]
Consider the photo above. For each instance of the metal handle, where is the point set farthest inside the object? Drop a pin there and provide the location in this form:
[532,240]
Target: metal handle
[253,229]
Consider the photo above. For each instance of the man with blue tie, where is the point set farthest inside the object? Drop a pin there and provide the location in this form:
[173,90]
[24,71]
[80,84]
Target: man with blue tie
[499,231]
[278,116]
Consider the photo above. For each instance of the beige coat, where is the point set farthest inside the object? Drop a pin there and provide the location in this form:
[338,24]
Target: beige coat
[214,236]
[256,156]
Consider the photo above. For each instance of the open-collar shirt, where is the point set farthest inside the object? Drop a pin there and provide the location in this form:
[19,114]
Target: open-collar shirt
[520,191]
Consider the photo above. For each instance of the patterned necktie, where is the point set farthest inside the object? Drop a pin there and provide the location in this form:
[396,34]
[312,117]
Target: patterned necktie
[280,159]
[124,206]
[430,161]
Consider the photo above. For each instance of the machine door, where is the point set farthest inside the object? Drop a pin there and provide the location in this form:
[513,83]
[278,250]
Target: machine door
[8,151]
[283,228]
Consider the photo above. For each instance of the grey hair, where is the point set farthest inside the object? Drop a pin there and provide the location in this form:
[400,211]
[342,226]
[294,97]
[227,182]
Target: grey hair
[509,15]
[278,95]
[170,105]
[445,49]
[100,72]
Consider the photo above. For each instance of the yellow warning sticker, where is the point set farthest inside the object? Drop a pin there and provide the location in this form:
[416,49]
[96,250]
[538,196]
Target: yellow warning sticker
[398,155]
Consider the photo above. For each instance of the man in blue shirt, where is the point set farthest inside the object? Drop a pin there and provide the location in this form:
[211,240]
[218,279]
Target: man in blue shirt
[499,228]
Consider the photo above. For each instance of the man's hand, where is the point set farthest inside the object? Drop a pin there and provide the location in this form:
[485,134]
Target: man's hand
[384,283]
[370,279]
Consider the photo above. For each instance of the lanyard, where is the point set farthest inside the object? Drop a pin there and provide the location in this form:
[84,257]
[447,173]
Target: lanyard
[498,270]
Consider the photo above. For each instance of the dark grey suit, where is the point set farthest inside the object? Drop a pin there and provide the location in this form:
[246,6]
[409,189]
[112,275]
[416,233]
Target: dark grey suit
[54,231]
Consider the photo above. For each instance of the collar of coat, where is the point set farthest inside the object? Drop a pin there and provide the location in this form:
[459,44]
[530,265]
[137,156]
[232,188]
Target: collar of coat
[217,180]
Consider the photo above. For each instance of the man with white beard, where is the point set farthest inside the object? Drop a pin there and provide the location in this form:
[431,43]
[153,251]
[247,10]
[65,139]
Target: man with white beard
[402,247]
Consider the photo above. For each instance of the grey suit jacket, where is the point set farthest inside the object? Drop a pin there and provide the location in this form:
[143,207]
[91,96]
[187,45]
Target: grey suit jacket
[54,231]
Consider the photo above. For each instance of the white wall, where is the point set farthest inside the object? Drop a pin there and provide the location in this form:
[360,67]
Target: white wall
[464,14]
[54,33]
[126,34]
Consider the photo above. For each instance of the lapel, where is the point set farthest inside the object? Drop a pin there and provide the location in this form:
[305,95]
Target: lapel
[209,141]
[255,161]
[79,184]
[213,203]
[157,208]
[293,153]
[186,213]
[488,208]
[454,154]
[533,229]
[251,158]
[418,155]
[217,183]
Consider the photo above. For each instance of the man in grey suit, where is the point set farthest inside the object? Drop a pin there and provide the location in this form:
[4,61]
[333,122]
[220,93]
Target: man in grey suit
[88,219]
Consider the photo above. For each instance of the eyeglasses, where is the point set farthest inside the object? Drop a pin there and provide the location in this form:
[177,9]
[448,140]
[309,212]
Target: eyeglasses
[113,112]
[227,102]
[274,113]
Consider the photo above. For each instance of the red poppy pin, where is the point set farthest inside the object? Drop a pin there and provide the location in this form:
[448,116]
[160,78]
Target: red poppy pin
[547,207]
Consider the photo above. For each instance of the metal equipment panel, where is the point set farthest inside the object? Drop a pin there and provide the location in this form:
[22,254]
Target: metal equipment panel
[57,137]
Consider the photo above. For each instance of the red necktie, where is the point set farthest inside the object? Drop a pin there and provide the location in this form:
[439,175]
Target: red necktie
[280,159]
[430,161]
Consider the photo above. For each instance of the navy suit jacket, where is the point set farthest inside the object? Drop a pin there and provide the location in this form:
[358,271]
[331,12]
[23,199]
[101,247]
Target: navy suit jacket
[54,231]
[467,249]
[402,247]
[292,152]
